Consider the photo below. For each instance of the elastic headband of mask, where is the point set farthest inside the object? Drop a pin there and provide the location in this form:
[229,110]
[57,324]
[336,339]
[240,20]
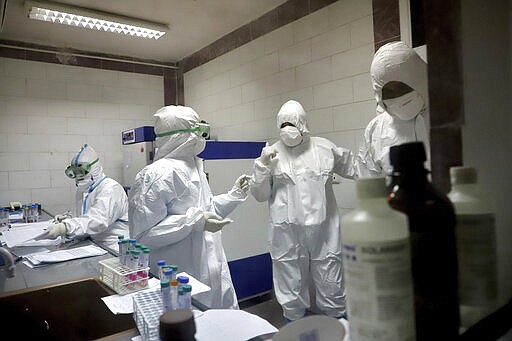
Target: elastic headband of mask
[201,128]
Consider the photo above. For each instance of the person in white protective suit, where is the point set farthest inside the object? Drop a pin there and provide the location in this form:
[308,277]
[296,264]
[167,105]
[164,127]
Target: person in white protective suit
[101,205]
[295,176]
[173,211]
[399,80]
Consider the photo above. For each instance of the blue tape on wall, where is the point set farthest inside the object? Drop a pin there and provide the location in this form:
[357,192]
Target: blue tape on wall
[252,275]
[221,150]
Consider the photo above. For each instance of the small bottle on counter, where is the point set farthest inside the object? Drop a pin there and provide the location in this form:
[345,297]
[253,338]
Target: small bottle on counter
[187,296]
[165,291]
[476,245]
[433,247]
[182,280]
[160,264]
[174,294]
[377,267]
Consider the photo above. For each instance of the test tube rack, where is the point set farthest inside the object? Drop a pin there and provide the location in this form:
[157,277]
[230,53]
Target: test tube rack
[147,308]
[121,278]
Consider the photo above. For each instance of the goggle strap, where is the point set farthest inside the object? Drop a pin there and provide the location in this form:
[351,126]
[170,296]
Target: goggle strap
[190,130]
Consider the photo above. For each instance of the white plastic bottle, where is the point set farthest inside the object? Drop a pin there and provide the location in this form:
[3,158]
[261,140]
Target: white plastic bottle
[377,267]
[476,245]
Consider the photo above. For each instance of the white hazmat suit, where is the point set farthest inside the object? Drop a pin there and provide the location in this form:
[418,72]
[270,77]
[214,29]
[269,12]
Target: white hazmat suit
[295,176]
[101,204]
[399,120]
[170,204]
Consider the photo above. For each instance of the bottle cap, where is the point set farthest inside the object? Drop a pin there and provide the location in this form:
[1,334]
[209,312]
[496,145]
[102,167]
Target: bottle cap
[174,268]
[174,283]
[168,271]
[146,250]
[120,237]
[407,154]
[125,241]
[177,325]
[135,252]
[463,175]
[187,288]
[160,262]
[164,283]
[180,291]
[371,188]
[183,279]
[132,241]
[137,245]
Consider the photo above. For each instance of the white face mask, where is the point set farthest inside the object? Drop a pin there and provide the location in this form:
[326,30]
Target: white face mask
[290,136]
[200,145]
[84,184]
[405,107]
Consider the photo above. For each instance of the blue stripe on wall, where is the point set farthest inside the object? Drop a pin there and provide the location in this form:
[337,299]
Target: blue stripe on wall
[252,275]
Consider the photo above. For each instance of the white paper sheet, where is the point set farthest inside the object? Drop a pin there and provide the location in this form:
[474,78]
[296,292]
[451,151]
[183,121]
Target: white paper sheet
[197,287]
[228,324]
[65,255]
[22,234]
[123,304]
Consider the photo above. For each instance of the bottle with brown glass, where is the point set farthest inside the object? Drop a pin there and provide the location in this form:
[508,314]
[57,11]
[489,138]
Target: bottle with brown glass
[432,223]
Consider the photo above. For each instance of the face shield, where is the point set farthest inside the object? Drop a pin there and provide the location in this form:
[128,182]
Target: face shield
[80,170]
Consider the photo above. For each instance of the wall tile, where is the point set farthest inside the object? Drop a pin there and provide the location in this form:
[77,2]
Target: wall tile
[221,118]
[105,143]
[150,97]
[278,39]
[113,160]
[332,93]
[19,195]
[59,179]
[231,97]
[12,86]
[22,142]
[115,127]
[116,95]
[331,42]
[13,124]
[345,11]
[3,143]
[133,80]
[361,31]
[314,73]
[155,82]
[84,126]
[304,96]
[65,108]
[134,111]
[48,125]
[252,50]
[353,115]
[24,69]
[64,73]
[295,55]
[241,75]
[220,82]
[40,88]
[51,196]
[4,182]
[265,66]
[48,161]
[29,179]
[352,62]
[242,113]
[362,87]
[14,161]
[279,83]
[320,120]
[101,77]
[82,92]
[267,107]
[66,143]
[253,90]
[311,25]
[102,110]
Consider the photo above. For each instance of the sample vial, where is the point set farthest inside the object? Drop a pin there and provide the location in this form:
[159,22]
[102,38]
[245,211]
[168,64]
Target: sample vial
[174,271]
[167,273]
[181,298]
[161,264]
[174,294]
[131,244]
[165,290]
[182,280]
[124,252]
[134,265]
[143,265]
[187,296]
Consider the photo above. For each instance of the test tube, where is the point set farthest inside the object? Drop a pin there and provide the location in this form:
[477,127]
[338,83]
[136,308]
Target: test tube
[182,280]
[131,244]
[181,298]
[165,290]
[174,271]
[134,265]
[167,273]
[143,264]
[161,264]
[124,252]
[174,294]
[187,296]
[26,213]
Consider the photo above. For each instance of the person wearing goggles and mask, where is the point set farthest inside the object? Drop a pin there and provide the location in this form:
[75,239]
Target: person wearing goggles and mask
[101,210]
[173,211]
[295,176]
[399,80]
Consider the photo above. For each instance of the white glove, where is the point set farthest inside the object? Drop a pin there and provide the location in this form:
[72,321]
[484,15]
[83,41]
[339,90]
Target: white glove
[60,217]
[240,187]
[54,231]
[267,155]
[213,222]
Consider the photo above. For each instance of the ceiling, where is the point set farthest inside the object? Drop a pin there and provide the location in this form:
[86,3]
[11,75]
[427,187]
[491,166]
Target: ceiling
[194,24]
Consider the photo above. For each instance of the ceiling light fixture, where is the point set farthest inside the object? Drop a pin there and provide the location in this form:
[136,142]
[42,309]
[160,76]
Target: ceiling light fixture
[59,13]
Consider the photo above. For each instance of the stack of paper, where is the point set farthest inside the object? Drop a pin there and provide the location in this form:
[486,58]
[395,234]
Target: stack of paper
[24,234]
[41,259]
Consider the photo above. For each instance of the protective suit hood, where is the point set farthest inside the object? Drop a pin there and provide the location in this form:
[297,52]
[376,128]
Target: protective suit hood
[396,61]
[87,154]
[171,118]
[293,112]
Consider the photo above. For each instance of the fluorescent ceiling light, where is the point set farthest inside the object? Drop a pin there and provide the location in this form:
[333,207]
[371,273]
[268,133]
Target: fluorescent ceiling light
[92,19]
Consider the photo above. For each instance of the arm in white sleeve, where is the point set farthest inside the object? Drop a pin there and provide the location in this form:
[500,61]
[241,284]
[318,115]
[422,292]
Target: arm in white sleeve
[108,206]
[365,163]
[260,183]
[344,164]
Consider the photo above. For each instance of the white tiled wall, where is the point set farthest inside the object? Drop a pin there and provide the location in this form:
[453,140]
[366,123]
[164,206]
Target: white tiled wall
[321,60]
[48,111]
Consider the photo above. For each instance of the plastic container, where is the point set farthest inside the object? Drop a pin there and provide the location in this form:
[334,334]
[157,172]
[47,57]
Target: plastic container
[147,309]
[174,294]
[187,296]
[182,280]
[431,219]
[165,290]
[161,264]
[119,277]
[377,267]
[476,245]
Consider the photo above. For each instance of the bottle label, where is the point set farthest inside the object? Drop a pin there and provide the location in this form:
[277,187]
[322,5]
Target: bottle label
[378,282]
[476,253]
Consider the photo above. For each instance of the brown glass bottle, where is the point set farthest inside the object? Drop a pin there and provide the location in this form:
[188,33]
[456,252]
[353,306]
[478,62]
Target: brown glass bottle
[433,249]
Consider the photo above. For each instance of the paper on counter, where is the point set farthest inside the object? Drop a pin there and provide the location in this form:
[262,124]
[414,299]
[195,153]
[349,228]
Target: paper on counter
[64,255]
[197,287]
[20,234]
[123,304]
[224,324]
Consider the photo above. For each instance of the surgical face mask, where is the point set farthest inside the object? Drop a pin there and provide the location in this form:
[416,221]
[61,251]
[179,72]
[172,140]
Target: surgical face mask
[200,145]
[290,136]
[405,107]
[83,184]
